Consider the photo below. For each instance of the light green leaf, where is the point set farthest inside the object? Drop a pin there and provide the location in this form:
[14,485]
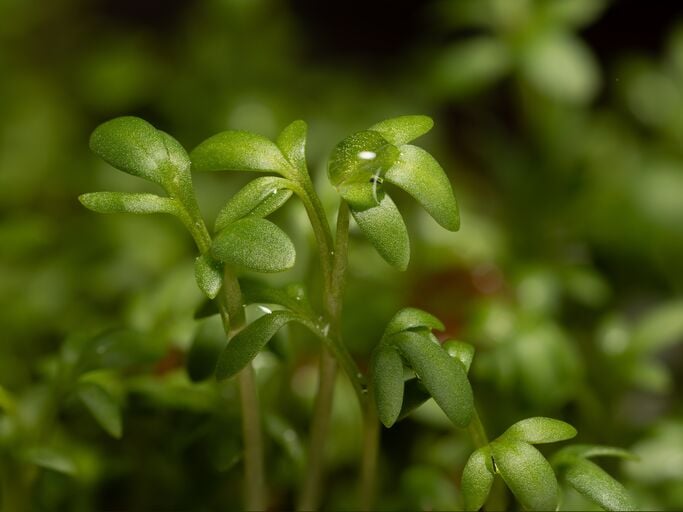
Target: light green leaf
[292,143]
[444,378]
[410,319]
[539,430]
[53,458]
[569,453]
[259,198]
[463,352]
[123,202]
[383,226]
[359,157]
[102,406]
[209,275]
[403,129]
[561,66]
[526,472]
[419,174]
[176,154]
[131,145]
[292,296]
[242,348]
[239,151]
[387,379]
[594,483]
[255,244]
[206,347]
[477,479]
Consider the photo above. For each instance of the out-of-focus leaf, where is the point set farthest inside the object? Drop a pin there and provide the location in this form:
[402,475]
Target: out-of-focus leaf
[259,198]
[403,129]
[444,378]
[102,406]
[387,380]
[292,143]
[206,347]
[286,436]
[255,244]
[574,13]
[419,174]
[383,226]
[209,275]
[242,348]
[659,328]
[527,473]
[594,483]
[408,319]
[239,151]
[123,202]
[562,67]
[590,450]
[477,479]
[427,488]
[463,352]
[540,430]
[50,457]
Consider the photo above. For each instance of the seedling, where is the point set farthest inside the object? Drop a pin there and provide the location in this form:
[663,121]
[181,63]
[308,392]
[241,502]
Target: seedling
[409,364]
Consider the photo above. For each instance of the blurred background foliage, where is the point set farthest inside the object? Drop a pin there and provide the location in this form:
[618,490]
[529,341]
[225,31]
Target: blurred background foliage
[560,123]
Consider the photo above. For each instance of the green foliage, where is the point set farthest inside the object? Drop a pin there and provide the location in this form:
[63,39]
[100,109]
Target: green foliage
[121,202]
[102,406]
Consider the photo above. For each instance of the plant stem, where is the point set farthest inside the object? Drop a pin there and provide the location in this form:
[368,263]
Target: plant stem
[477,432]
[368,482]
[255,497]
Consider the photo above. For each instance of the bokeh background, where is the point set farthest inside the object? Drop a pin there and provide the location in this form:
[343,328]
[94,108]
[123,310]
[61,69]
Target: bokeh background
[560,123]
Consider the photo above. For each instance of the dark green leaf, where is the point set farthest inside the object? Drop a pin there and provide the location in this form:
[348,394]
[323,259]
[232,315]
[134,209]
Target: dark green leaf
[259,198]
[540,430]
[123,202]
[387,380]
[403,129]
[102,406]
[255,244]
[594,483]
[242,348]
[292,143]
[414,395]
[419,174]
[463,352]
[526,472]
[209,275]
[206,347]
[131,145]
[383,226]
[239,151]
[444,378]
[408,319]
[477,479]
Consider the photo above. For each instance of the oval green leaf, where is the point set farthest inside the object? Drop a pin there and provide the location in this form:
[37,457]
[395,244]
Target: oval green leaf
[461,351]
[102,406]
[255,244]
[526,472]
[239,151]
[419,174]
[123,202]
[540,430]
[259,198]
[244,346]
[387,380]
[444,378]
[131,145]
[209,275]
[206,347]
[408,319]
[403,129]
[292,143]
[595,484]
[293,296]
[384,228]
[477,479]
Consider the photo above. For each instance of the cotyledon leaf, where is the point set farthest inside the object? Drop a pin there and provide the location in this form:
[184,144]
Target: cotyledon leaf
[412,318]
[259,198]
[477,479]
[244,346]
[255,244]
[401,130]
[540,430]
[124,202]
[419,174]
[444,378]
[527,473]
[383,226]
[387,375]
[598,486]
[292,143]
[359,157]
[463,352]
[239,151]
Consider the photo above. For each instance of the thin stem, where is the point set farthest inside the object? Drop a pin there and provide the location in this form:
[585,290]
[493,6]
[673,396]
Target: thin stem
[368,482]
[477,432]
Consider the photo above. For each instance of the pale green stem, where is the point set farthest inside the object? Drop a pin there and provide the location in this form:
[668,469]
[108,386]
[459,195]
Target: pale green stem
[368,481]
[477,432]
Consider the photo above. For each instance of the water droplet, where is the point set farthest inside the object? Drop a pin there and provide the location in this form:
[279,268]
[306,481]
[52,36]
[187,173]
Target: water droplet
[331,253]
[266,310]
[274,191]
[364,391]
[367,155]
[359,375]
[326,329]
